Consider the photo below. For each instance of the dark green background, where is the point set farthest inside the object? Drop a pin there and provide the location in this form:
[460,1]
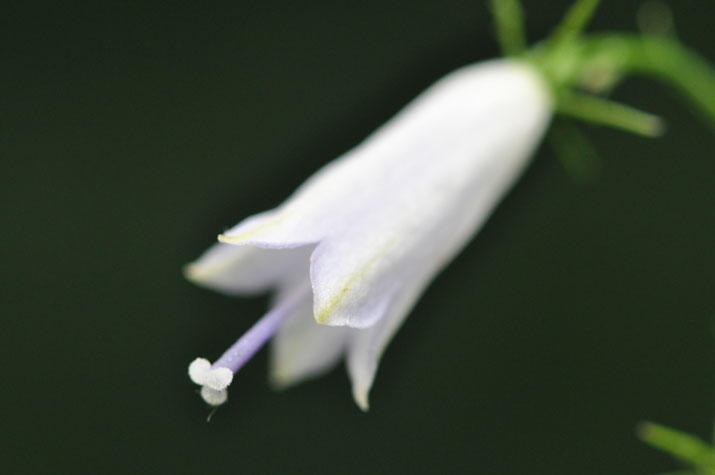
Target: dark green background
[133,132]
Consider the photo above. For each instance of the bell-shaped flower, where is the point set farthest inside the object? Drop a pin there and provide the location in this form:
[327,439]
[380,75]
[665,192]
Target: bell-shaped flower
[352,250]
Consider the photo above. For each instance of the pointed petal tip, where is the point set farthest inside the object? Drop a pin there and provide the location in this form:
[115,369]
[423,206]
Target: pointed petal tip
[192,272]
[360,395]
[227,239]
[249,238]
[326,316]
[199,273]
[240,238]
[278,380]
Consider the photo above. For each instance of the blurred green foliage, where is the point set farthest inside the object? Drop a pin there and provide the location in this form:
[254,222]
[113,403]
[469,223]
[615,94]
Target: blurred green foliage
[685,447]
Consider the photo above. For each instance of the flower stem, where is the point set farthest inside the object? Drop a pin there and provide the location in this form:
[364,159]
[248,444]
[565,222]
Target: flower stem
[658,57]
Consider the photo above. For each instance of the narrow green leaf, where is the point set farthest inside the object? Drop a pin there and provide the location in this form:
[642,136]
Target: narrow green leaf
[683,446]
[613,114]
[509,25]
[574,22]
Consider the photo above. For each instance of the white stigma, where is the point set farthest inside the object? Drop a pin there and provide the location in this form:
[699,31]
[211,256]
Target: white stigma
[213,397]
[213,382]
[219,378]
[198,369]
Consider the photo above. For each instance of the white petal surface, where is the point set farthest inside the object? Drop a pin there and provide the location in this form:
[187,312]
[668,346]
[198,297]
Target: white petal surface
[450,231]
[451,116]
[453,153]
[371,229]
[393,202]
[303,349]
[246,269]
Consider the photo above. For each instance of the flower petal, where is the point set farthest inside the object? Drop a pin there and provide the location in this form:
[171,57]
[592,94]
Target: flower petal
[302,349]
[367,346]
[453,153]
[246,269]
[323,203]
[451,116]
[371,229]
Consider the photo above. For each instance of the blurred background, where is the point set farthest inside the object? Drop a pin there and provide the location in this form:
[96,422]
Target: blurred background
[131,133]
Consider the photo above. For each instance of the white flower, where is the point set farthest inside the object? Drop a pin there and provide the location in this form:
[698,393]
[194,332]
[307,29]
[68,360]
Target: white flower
[350,252]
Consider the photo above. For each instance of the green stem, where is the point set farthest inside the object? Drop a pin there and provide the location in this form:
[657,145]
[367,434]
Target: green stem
[661,58]
[509,24]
